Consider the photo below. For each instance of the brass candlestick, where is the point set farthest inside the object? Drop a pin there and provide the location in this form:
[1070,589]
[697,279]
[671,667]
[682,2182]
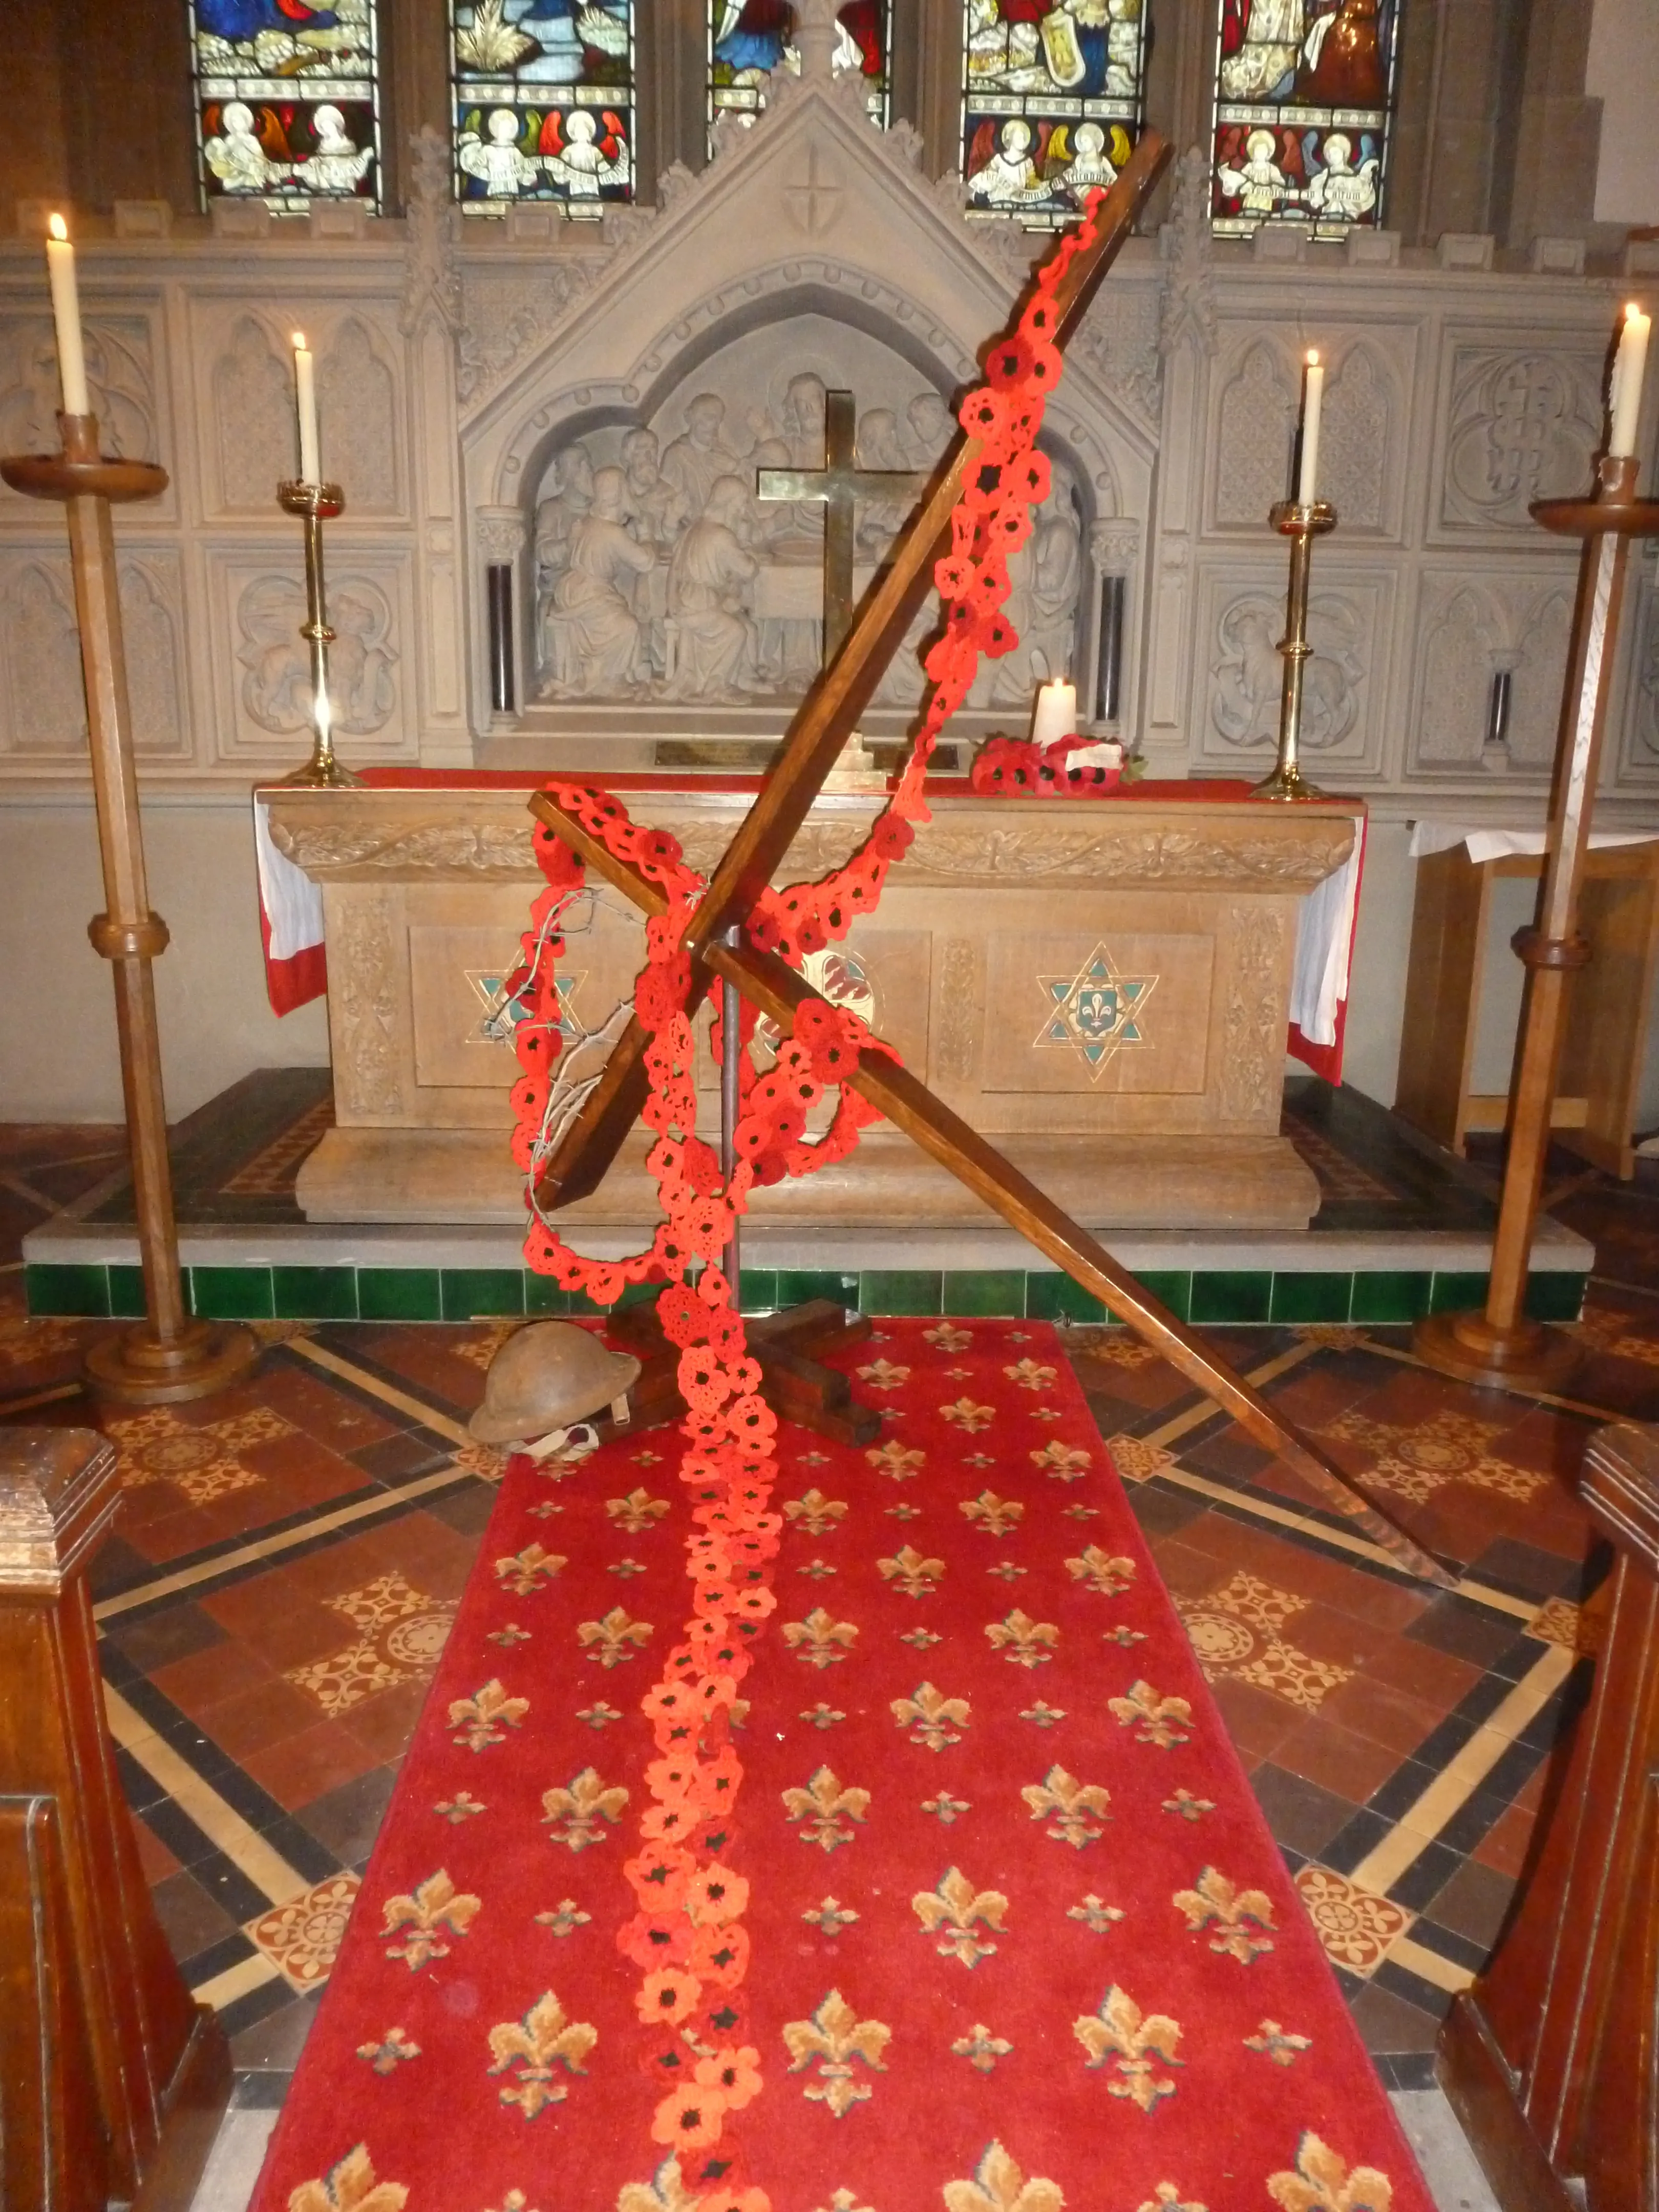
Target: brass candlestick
[1301,525]
[318,503]
[1500,1345]
[168,1356]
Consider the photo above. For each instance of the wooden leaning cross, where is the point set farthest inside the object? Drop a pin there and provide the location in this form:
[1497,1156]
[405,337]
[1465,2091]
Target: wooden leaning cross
[820,728]
[839,484]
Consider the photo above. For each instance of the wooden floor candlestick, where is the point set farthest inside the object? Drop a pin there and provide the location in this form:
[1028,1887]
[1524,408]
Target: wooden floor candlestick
[1500,1344]
[168,1356]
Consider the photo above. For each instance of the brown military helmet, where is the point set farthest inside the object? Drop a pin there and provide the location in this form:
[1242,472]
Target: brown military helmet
[549,1376]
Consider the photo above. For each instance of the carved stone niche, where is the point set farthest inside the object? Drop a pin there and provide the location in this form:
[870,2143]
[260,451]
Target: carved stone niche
[121,380]
[1258,395]
[656,578]
[246,424]
[1471,625]
[43,708]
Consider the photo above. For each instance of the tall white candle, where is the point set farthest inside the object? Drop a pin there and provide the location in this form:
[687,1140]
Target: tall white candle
[1625,392]
[305,392]
[1313,401]
[1055,716]
[66,315]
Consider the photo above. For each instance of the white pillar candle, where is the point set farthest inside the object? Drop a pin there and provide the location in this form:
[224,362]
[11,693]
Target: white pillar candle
[66,315]
[305,392]
[1313,401]
[1625,392]
[1055,716]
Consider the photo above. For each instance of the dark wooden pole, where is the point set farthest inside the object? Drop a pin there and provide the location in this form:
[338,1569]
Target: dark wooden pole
[1549,2060]
[111,2080]
[1499,1345]
[168,1356]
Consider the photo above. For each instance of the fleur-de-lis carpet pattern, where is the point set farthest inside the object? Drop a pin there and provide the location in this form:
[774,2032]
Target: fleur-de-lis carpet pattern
[1062,1964]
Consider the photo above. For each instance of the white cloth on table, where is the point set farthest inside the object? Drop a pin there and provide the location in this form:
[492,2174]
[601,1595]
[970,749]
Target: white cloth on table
[292,903]
[1324,947]
[1506,844]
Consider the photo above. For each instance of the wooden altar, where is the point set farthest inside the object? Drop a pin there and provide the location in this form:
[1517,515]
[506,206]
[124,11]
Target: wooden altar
[1101,988]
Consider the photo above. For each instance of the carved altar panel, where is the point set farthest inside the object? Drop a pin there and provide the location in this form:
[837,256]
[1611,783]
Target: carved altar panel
[245,427]
[1238,677]
[262,675]
[370,1043]
[121,350]
[43,712]
[1473,622]
[1100,1010]
[1256,393]
[1520,420]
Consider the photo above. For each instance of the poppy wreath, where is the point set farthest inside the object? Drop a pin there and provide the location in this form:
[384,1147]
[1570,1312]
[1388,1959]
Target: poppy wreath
[686,1936]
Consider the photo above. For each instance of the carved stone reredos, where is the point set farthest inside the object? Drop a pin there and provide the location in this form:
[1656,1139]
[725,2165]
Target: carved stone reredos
[812,211]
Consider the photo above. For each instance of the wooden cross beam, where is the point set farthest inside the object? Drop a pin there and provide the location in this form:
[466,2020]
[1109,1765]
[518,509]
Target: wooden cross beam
[773,987]
[839,485]
[820,728]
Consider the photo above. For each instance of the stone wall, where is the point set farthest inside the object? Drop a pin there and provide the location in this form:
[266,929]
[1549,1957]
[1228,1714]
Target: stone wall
[456,361]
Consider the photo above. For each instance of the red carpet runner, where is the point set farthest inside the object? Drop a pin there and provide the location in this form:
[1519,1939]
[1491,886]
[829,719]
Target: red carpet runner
[1006,1932]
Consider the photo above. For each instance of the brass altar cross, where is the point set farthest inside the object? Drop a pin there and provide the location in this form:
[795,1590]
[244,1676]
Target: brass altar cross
[819,730]
[839,485]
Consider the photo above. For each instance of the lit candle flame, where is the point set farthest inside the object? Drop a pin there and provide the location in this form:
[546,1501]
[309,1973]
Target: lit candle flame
[299,339]
[56,225]
[1313,358]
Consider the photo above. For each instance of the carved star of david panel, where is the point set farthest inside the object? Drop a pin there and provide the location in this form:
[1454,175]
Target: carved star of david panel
[1097,1012]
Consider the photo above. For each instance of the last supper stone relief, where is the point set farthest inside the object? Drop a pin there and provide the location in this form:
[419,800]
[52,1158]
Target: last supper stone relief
[660,574]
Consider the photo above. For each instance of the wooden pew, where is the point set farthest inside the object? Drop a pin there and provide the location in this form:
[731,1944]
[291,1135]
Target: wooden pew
[1549,2059]
[111,2080]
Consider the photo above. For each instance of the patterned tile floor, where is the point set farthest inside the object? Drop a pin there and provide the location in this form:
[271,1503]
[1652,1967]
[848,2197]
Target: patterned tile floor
[289,1556]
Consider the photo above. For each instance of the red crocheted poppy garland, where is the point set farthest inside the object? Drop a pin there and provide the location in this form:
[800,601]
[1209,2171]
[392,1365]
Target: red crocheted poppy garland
[686,1937]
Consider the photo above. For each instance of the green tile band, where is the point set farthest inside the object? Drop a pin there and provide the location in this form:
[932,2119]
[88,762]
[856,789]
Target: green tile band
[1388,1297]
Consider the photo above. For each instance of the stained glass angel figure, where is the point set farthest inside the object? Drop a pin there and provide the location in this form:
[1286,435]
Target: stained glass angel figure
[234,154]
[338,164]
[1008,177]
[1339,191]
[583,161]
[1259,184]
[502,169]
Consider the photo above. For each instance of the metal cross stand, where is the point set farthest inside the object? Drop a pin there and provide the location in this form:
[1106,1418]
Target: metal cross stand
[169,1356]
[1498,1345]
[820,728]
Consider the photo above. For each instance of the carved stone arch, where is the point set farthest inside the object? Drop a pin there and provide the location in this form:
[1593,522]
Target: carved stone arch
[42,702]
[1544,639]
[1465,638]
[1358,437]
[252,416]
[795,286]
[1255,423]
[357,402]
[155,656]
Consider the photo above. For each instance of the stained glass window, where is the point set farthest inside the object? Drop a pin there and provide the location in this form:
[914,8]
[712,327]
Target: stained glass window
[1051,102]
[543,102]
[1303,99]
[748,40]
[287,100]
